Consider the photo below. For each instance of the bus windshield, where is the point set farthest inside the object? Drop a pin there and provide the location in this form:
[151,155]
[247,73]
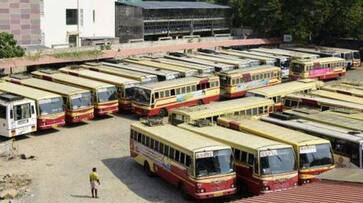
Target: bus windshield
[81,100]
[106,94]
[315,155]
[356,55]
[213,163]
[22,111]
[50,106]
[129,92]
[277,161]
[142,95]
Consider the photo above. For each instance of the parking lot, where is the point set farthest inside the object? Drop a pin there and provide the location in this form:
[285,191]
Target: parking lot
[64,158]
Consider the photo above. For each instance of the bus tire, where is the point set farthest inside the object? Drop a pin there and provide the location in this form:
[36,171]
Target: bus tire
[184,193]
[163,112]
[147,169]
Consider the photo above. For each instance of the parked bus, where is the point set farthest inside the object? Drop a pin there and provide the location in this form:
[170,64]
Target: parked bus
[49,106]
[124,85]
[200,167]
[240,54]
[348,113]
[344,89]
[327,118]
[281,52]
[186,72]
[279,91]
[237,63]
[282,61]
[141,77]
[347,145]
[159,98]
[297,100]
[17,115]
[321,68]
[202,69]
[236,83]
[161,74]
[250,62]
[104,96]
[317,51]
[315,155]
[337,96]
[248,106]
[351,56]
[77,101]
[217,66]
[262,165]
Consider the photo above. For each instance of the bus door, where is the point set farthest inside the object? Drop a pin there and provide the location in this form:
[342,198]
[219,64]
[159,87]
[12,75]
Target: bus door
[361,155]
[4,120]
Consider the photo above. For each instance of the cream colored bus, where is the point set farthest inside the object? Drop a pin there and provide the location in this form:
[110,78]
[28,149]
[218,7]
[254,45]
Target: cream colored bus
[337,96]
[248,106]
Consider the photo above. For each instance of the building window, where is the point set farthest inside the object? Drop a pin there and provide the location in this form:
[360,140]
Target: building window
[94,16]
[71,17]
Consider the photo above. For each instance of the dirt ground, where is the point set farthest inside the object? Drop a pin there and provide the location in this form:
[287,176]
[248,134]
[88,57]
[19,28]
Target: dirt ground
[64,158]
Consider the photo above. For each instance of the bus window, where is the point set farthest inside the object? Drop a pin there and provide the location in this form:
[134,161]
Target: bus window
[172,92]
[183,90]
[188,161]
[315,155]
[237,154]
[182,158]
[177,91]
[250,160]
[156,95]
[194,88]
[244,157]
[2,112]
[188,89]
[22,112]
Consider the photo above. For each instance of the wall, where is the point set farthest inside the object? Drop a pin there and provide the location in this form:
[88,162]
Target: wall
[53,21]
[22,19]
[129,23]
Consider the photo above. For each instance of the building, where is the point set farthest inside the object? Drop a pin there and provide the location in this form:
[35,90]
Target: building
[150,20]
[58,23]
[22,19]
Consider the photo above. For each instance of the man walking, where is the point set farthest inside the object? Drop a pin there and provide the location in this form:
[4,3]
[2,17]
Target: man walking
[95,182]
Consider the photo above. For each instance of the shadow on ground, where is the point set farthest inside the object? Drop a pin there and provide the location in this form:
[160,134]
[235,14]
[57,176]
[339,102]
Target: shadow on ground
[152,189]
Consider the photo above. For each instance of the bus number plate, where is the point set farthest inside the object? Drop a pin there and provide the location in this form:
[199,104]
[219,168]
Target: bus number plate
[202,155]
[307,149]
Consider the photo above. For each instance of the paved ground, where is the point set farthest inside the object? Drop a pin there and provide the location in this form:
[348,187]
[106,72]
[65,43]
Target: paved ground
[65,158]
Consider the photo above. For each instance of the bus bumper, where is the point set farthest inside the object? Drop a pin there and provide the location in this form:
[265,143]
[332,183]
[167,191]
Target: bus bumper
[44,124]
[235,94]
[106,110]
[209,195]
[79,118]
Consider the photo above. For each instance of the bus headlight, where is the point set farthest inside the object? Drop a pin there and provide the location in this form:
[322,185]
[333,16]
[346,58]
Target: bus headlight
[267,188]
[232,186]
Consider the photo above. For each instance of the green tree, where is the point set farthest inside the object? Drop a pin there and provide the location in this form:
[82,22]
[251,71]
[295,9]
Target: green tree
[9,47]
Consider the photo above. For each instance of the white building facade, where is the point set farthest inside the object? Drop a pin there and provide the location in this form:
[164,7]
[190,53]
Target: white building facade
[64,23]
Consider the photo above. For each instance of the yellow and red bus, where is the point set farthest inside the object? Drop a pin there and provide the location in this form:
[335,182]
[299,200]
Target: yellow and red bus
[314,154]
[159,98]
[350,55]
[279,91]
[262,165]
[49,106]
[104,95]
[322,68]
[200,167]
[77,101]
[124,85]
[247,106]
[236,83]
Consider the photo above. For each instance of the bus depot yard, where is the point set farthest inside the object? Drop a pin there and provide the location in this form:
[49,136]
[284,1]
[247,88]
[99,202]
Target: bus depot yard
[72,114]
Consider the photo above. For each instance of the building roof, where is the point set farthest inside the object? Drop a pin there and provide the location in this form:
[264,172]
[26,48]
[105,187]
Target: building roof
[324,191]
[173,5]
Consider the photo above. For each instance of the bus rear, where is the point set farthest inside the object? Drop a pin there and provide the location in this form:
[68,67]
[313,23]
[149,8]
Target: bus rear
[17,115]
[201,168]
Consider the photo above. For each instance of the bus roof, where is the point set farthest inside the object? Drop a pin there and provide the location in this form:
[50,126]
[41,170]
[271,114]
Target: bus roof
[275,132]
[148,62]
[99,76]
[327,118]
[347,113]
[199,67]
[222,66]
[234,138]
[49,86]
[222,108]
[228,60]
[337,96]
[314,50]
[319,60]
[246,55]
[342,50]
[255,69]
[344,89]
[267,55]
[181,138]
[287,88]
[316,128]
[326,101]
[27,92]
[176,82]
[293,54]
[72,80]
[142,77]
